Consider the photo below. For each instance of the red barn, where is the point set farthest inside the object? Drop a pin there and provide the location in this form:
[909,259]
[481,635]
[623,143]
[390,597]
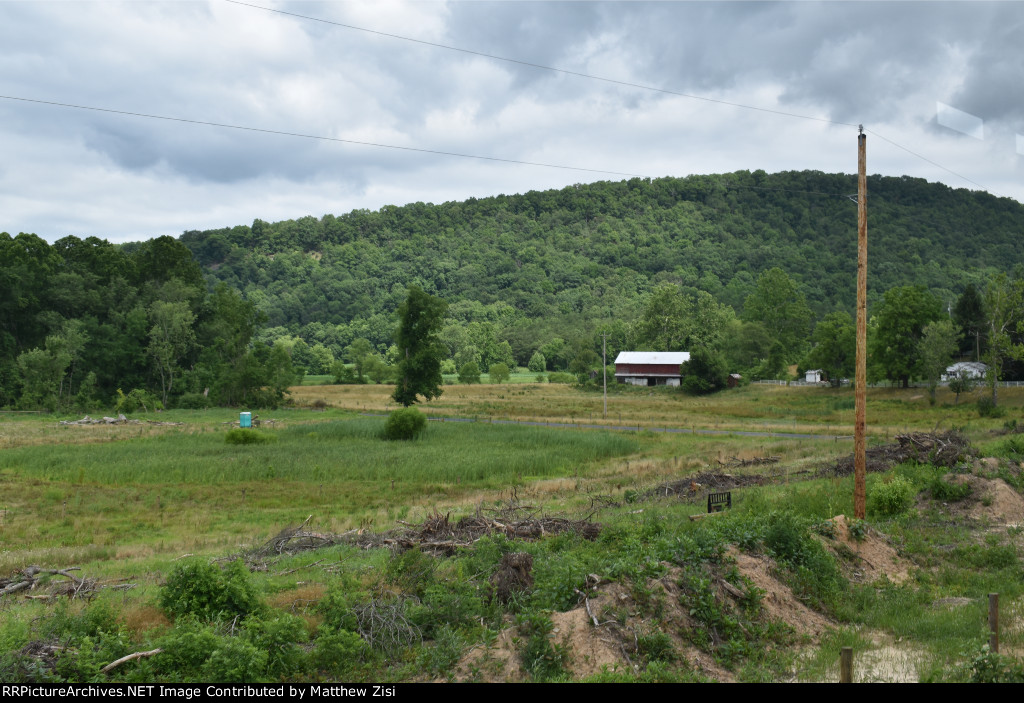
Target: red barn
[639,368]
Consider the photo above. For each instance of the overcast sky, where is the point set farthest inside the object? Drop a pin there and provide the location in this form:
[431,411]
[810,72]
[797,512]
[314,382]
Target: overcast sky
[942,80]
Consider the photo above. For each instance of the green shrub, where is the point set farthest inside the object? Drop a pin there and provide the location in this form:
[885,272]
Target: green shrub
[469,373]
[787,538]
[891,497]
[207,592]
[336,651]
[537,363]
[137,398]
[280,637]
[247,436]
[405,423]
[337,610]
[235,660]
[988,408]
[541,659]
[444,655]
[1012,446]
[498,373]
[561,377]
[186,648]
[949,492]
[656,646]
[456,603]
[193,401]
[412,571]
[990,667]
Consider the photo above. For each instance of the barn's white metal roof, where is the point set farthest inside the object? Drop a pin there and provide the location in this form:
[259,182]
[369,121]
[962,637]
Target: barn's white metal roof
[646,357]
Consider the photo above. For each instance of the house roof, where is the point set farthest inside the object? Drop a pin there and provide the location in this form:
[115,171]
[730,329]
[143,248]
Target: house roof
[975,369]
[647,357]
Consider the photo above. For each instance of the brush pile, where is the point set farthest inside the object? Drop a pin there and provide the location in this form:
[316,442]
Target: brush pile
[946,449]
[119,420]
[698,486]
[289,541]
[33,582]
[438,535]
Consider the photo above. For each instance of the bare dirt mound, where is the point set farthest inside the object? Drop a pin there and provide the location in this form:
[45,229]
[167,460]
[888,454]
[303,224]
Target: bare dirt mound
[992,500]
[603,632]
[779,602]
[867,556]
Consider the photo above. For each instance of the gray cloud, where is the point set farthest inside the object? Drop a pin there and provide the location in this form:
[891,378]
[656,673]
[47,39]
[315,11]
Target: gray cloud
[882,63]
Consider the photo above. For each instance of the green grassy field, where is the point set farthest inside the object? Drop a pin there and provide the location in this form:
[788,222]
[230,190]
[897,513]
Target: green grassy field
[126,502]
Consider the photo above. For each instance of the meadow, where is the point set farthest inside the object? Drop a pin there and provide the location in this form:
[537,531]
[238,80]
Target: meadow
[136,501]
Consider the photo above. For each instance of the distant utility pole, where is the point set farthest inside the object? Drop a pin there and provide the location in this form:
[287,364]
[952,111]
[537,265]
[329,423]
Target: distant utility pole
[859,453]
[604,369]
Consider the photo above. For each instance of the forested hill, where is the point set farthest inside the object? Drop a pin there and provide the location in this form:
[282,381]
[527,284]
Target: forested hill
[556,263]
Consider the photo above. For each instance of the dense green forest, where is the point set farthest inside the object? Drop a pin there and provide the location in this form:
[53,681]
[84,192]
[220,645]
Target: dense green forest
[743,263]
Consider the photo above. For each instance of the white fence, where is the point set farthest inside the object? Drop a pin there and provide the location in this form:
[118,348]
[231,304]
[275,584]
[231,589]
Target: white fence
[825,384]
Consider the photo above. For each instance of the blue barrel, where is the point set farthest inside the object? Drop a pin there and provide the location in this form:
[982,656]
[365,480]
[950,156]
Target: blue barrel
[245,420]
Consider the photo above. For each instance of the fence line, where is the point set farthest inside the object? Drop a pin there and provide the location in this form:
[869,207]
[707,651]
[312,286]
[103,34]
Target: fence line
[918,384]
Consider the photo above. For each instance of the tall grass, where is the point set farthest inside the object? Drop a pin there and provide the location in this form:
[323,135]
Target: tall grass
[332,452]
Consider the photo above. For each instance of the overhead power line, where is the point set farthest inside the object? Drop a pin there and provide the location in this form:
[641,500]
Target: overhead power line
[542,67]
[603,79]
[321,137]
[284,133]
[923,158]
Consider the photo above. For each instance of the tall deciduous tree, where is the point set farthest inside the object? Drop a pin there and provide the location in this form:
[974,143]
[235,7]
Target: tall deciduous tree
[900,322]
[969,315]
[673,320]
[170,339]
[1004,307]
[782,309]
[835,347]
[421,317]
[937,347]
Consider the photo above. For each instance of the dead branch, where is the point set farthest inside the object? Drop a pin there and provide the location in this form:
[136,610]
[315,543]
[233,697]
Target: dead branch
[586,604]
[383,625]
[128,658]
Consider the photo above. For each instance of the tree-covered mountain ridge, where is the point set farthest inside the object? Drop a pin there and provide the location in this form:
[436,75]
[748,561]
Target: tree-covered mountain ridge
[590,253]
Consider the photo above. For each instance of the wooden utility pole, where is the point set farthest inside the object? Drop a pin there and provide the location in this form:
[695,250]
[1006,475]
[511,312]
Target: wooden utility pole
[859,451]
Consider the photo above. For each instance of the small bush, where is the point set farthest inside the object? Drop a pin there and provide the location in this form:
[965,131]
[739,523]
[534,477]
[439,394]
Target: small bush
[247,436]
[137,398]
[1013,446]
[337,651]
[949,492]
[540,658]
[990,667]
[561,377]
[498,373]
[193,401]
[787,538]
[406,423]
[858,530]
[656,646]
[201,589]
[988,408]
[280,637]
[892,497]
[412,571]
